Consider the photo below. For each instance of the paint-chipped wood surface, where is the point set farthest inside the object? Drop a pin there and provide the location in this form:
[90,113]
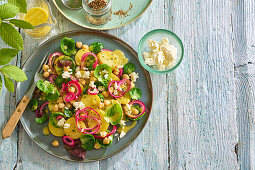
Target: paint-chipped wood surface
[203,116]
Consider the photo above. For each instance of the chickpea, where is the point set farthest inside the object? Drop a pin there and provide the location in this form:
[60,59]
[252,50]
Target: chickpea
[46,74]
[93,79]
[68,105]
[82,81]
[100,105]
[71,89]
[55,143]
[106,141]
[106,102]
[61,105]
[55,108]
[103,134]
[46,131]
[66,68]
[60,100]
[97,146]
[116,72]
[111,89]
[135,111]
[105,93]
[125,76]
[132,85]
[45,67]
[85,46]
[78,44]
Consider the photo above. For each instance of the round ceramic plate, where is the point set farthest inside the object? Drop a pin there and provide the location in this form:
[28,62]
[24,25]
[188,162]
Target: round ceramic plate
[77,16]
[34,130]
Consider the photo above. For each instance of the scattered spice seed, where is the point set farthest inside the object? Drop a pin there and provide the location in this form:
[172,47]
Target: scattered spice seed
[122,13]
[97,4]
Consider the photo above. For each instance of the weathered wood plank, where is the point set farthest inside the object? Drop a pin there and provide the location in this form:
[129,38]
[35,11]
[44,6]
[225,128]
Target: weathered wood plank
[203,94]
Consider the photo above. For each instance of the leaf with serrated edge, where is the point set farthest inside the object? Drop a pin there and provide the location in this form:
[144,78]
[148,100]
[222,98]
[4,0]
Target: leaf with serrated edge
[8,84]
[1,84]
[21,24]
[14,72]
[7,54]
[11,36]
[22,4]
[8,11]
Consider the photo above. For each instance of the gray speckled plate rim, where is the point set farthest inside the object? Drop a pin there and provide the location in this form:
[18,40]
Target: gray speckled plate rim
[148,78]
[93,28]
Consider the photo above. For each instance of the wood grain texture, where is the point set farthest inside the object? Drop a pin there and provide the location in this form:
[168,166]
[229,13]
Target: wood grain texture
[197,108]
[14,119]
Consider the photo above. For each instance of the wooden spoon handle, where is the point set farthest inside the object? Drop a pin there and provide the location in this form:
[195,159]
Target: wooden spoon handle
[14,119]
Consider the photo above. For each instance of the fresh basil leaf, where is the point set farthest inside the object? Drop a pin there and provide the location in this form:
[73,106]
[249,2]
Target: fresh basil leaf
[8,83]
[11,36]
[135,93]
[7,54]
[14,72]
[21,24]
[21,4]
[8,10]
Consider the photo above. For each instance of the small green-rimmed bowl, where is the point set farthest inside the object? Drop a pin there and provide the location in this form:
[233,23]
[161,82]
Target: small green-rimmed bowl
[158,35]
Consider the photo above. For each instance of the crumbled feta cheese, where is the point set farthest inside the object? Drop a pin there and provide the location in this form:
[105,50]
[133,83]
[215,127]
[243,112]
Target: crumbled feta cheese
[86,75]
[101,88]
[91,84]
[120,66]
[162,56]
[66,74]
[66,126]
[66,108]
[115,93]
[127,107]
[78,105]
[134,76]
[61,122]
[110,137]
[122,133]
[116,85]
[106,76]
[105,71]
[78,68]
[78,74]
[85,68]
[122,122]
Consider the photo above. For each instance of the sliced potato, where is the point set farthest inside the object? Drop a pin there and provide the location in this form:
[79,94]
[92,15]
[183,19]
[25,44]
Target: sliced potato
[112,102]
[109,58]
[103,125]
[122,58]
[79,55]
[56,131]
[73,132]
[90,100]
[124,99]
[114,77]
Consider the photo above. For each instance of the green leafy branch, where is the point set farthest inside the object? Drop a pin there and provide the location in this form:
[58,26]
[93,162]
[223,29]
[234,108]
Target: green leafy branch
[11,37]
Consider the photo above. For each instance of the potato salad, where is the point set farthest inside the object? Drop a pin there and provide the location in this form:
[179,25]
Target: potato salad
[88,97]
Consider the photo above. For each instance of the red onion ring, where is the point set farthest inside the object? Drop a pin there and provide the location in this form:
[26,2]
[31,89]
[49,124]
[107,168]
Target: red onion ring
[76,84]
[111,92]
[142,106]
[68,141]
[122,82]
[121,72]
[41,108]
[83,130]
[69,97]
[85,55]
[114,129]
[94,93]
[50,59]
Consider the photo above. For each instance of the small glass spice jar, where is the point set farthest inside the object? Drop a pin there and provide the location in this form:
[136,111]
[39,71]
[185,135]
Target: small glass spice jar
[97,12]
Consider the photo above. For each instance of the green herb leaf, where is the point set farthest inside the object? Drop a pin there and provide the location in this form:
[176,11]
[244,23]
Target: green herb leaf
[7,54]
[14,72]
[8,11]
[45,86]
[8,83]
[11,36]
[21,24]
[21,4]
[1,84]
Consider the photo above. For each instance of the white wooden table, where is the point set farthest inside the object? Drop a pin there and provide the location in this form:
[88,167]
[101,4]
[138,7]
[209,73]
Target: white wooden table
[203,113]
